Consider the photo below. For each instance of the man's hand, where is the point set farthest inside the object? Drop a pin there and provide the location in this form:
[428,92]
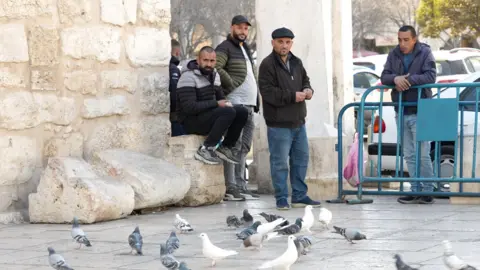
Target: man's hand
[308,93]
[300,96]
[402,83]
[224,103]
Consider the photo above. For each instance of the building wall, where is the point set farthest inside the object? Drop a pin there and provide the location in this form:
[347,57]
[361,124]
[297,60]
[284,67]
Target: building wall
[78,76]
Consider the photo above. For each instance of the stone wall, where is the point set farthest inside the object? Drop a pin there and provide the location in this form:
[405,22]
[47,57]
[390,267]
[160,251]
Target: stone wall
[78,76]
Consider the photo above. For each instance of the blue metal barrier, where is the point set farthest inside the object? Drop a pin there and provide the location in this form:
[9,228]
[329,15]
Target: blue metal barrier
[437,123]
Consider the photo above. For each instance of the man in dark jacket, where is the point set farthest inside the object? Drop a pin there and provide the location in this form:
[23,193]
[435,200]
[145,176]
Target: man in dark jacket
[285,86]
[174,72]
[237,73]
[411,63]
[203,109]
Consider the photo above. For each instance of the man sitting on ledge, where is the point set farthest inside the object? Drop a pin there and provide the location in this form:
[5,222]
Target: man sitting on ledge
[203,109]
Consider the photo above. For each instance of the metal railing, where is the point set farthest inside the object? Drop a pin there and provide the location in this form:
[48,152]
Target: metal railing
[440,122]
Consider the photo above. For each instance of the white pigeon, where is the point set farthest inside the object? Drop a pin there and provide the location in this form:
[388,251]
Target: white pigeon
[287,259]
[452,261]
[325,217]
[181,224]
[213,252]
[270,226]
[308,219]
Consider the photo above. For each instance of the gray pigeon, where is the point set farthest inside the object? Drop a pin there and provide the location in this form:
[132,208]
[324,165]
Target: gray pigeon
[247,219]
[248,231]
[168,260]
[56,260]
[173,243]
[234,221]
[401,265]
[183,266]
[135,240]
[303,244]
[350,234]
[272,217]
[291,228]
[79,235]
[255,240]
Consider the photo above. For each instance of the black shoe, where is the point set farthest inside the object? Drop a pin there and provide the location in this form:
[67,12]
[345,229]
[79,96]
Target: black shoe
[304,202]
[207,155]
[282,204]
[426,200]
[226,154]
[249,195]
[408,200]
[233,194]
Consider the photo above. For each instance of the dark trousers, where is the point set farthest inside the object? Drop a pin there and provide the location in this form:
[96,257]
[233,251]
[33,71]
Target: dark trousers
[216,122]
[177,129]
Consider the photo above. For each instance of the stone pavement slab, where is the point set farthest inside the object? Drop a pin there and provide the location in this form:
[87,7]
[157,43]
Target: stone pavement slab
[414,231]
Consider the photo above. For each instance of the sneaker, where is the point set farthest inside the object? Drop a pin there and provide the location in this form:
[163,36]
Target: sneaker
[249,195]
[282,204]
[408,200]
[304,202]
[426,200]
[226,154]
[233,194]
[207,156]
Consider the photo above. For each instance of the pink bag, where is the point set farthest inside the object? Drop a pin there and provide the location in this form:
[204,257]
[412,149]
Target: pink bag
[350,172]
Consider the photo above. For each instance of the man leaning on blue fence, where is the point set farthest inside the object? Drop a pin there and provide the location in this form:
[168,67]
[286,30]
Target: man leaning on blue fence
[411,63]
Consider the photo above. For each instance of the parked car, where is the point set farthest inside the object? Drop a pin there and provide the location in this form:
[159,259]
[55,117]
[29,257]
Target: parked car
[456,64]
[389,132]
[373,62]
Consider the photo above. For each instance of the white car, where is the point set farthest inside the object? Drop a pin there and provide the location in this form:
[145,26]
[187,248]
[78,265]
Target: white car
[389,134]
[374,62]
[456,64]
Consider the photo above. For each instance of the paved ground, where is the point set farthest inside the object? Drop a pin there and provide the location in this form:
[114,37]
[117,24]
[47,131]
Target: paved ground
[414,231]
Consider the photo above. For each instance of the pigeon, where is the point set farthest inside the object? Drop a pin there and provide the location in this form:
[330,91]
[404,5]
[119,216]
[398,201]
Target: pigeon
[308,219]
[183,266]
[173,243]
[350,234]
[248,231]
[182,225]
[291,228]
[168,260]
[79,235]
[303,244]
[272,217]
[213,252]
[325,217]
[234,221]
[255,240]
[287,259]
[135,240]
[56,261]
[270,226]
[247,219]
[451,260]
[401,265]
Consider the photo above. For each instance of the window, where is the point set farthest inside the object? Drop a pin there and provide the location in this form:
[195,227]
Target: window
[360,80]
[470,94]
[372,78]
[473,63]
[447,67]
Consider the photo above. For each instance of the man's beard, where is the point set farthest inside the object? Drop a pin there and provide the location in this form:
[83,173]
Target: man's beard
[238,37]
[206,71]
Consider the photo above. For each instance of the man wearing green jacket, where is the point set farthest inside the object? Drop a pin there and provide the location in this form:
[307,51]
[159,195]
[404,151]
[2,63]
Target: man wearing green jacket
[238,77]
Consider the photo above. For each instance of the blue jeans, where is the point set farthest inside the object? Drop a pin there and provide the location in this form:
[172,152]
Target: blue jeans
[409,152]
[288,146]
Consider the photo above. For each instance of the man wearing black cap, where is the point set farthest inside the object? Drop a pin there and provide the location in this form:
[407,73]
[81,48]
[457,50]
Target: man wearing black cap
[237,74]
[285,86]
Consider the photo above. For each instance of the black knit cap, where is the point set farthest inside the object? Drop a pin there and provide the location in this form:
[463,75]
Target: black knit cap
[282,33]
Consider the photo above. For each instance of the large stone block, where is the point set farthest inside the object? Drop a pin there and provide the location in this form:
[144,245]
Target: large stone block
[13,43]
[17,9]
[155,97]
[71,146]
[119,12]
[98,42]
[156,182]
[18,158]
[148,136]
[11,78]
[149,47]
[43,45]
[113,105]
[119,79]
[43,80]
[74,11]
[69,187]
[207,181]
[84,81]
[156,12]
[22,109]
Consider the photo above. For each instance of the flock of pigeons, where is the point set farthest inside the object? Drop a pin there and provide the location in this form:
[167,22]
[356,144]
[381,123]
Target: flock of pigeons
[253,234]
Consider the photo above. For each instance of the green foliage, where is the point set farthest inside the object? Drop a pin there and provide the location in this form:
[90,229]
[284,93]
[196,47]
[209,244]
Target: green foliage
[461,17]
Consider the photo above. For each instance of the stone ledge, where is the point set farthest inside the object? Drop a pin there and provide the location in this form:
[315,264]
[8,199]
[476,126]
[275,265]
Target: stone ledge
[207,181]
